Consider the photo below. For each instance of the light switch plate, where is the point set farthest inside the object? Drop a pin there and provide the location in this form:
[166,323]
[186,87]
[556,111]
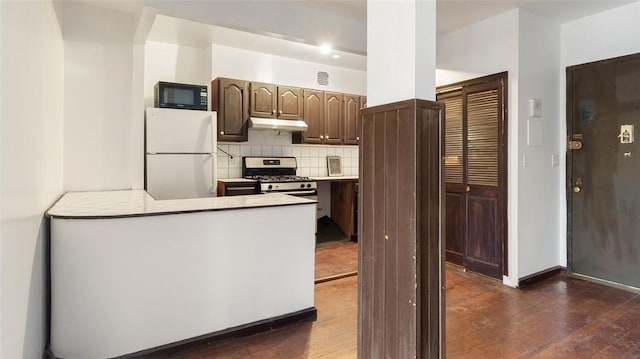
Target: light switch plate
[555,160]
[535,107]
[525,161]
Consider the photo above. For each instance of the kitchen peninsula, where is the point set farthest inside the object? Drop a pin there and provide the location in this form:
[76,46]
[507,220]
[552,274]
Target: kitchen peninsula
[130,274]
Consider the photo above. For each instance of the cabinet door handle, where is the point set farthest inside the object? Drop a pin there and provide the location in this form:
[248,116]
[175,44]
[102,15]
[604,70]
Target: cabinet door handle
[281,112]
[273,112]
[222,132]
[326,137]
[357,138]
[321,136]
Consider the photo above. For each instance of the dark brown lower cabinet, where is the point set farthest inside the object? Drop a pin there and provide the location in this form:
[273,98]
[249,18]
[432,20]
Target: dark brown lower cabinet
[401,270]
[343,207]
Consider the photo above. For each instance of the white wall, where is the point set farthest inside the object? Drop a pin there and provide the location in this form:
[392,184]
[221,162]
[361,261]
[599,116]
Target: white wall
[254,66]
[540,186]
[31,167]
[174,63]
[605,35]
[484,48]
[98,72]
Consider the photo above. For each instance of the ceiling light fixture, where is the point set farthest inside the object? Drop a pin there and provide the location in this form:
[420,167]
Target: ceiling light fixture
[325,49]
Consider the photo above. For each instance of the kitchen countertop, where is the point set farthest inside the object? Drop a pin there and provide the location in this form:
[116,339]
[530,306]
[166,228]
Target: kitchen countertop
[133,203]
[336,178]
[236,180]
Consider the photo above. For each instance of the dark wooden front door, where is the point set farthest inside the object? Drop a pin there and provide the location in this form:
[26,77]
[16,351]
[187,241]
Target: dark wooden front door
[475,160]
[602,175]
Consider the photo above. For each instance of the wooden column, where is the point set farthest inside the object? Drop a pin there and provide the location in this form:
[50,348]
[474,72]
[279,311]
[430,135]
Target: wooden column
[401,273]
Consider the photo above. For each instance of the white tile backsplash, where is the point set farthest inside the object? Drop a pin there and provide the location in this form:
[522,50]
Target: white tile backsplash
[311,159]
[234,150]
[223,160]
[267,150]
[235,172]
[223,172]
[256,150]
[296,152]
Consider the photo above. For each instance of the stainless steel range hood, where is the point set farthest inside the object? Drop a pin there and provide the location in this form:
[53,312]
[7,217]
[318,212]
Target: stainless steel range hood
[277,124]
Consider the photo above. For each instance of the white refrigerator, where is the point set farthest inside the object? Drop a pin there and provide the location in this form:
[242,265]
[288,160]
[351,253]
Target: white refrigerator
[180,153]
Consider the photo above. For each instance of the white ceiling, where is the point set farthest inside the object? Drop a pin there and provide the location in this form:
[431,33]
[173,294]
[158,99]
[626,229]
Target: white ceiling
[341,23]
[454,14]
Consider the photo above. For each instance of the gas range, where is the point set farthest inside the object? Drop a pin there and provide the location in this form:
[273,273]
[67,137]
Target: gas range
[278,174]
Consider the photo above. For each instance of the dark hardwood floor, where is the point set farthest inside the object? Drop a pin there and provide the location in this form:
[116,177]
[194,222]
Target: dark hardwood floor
[560,317]
[336,261]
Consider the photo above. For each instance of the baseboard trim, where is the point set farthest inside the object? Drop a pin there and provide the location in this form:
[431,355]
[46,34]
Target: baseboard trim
[540,276]
[182,346]
[337,276]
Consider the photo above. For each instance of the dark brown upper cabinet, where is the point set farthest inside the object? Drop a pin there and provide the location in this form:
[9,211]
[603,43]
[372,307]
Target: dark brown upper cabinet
[313,107]
[334,118]
[352,106]
[230,98]
[263,101]
[290,103]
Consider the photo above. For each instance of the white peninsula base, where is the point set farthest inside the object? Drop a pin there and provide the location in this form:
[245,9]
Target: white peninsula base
[121,285]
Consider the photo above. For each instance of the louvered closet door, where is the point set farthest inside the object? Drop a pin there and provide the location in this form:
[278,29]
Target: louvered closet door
[454,174]
[475,175]
[484,122]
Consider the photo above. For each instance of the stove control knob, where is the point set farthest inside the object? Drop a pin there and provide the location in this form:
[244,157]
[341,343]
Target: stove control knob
[270,187]
[308,185]
[302,185]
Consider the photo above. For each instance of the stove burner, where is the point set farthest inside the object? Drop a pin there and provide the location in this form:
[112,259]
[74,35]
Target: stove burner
[267,178]
[277,174]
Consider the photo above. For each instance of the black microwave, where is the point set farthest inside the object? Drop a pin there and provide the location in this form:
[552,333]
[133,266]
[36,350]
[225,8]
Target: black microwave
[184,96]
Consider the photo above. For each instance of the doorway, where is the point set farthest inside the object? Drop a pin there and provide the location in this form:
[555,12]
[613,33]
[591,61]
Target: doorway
[476,173]
[603,167]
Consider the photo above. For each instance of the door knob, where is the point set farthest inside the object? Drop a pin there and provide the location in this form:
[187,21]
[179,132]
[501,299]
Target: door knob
[577,186]
[467,188]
